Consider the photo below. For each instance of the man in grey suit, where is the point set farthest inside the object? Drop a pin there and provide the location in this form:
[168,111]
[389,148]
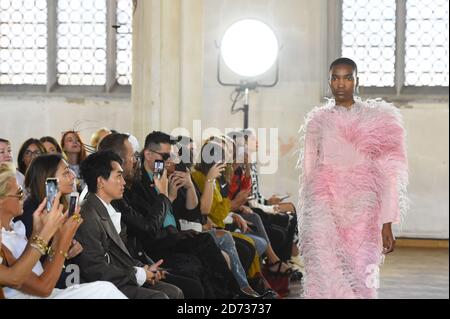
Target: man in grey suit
[104,255]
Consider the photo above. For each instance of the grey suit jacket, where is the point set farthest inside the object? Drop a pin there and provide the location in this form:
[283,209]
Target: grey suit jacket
[104,255]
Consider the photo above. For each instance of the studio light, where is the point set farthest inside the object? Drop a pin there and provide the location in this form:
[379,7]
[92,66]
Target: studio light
[249,48]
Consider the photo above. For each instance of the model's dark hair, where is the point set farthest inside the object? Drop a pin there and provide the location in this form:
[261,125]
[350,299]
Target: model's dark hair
[345,61]
[98,164]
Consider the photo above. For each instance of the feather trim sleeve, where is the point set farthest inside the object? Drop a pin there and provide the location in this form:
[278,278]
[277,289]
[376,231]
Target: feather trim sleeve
[393,161]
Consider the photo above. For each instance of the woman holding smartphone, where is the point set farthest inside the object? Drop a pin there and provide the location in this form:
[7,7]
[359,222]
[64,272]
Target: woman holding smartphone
[51,166]
[40,283]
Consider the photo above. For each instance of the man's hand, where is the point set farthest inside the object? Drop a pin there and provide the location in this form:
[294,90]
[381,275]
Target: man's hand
[162,183]
[153,273]
[388,239]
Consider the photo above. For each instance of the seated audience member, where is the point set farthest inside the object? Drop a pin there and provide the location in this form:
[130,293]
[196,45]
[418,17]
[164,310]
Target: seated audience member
[220,207]
[181,211]
[105,256]
[29,150]
[163,239]
[242,182]
[75,152]
[51,145]
[98,136]
[43,167]
[46,226]
[280,214]
[6,156]
[132,222]
[41,282]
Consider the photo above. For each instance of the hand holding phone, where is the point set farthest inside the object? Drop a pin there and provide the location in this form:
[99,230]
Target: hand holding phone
[73,202]
[158,169]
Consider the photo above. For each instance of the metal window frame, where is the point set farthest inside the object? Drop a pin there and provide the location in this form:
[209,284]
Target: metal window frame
[111,88]
[399,92]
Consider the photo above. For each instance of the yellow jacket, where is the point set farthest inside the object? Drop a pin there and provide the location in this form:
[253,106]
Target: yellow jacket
[221,207]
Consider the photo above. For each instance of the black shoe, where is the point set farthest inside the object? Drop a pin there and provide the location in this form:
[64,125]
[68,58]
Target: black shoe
[270,294]
[245,295]
[296,276]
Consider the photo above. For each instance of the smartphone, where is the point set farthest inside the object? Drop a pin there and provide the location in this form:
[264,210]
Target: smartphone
[158,169]
[51,189]
[73,202]
[181,167]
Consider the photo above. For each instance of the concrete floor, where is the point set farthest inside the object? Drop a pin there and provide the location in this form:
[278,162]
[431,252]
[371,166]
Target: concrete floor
[410,273]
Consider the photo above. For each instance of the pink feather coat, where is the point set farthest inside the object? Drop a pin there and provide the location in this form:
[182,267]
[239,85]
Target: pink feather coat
[353,180]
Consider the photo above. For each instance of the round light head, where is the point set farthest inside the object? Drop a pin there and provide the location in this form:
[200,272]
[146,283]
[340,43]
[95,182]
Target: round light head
[249,48]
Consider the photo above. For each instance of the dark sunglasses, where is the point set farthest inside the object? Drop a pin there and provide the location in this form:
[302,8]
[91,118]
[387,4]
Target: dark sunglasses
[164,156]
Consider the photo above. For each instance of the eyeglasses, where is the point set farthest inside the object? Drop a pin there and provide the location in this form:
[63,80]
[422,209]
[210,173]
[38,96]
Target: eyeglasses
[31,153]
[19,195]
[164,156]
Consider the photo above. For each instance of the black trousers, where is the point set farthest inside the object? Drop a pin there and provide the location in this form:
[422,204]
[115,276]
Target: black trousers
[192,289]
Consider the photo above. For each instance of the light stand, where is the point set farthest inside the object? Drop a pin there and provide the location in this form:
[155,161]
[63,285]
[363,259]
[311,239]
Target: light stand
[244,87]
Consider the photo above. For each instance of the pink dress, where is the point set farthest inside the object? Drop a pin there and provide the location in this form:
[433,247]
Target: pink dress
[353,180]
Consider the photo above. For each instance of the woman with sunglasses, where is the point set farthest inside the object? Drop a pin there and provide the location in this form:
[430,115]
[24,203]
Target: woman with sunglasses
[29,150]
[45,226]
[15,254]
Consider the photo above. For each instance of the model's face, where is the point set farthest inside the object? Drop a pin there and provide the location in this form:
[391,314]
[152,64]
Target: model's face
[72,143]
[50,148]
[5,152]
[343,83]
[65,178]
[30,154]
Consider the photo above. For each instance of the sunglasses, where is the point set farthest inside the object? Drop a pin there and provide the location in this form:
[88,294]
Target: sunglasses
[164,156]
[31,153]
[19,195]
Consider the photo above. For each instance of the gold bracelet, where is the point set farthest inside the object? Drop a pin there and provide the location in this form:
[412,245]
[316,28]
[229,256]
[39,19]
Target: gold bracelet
[38,248]
[65,255]
[38,243]
[211,180]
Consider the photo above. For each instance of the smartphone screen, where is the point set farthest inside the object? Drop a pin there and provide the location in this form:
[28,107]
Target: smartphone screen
[73,201]
[51,189]
[158,169]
